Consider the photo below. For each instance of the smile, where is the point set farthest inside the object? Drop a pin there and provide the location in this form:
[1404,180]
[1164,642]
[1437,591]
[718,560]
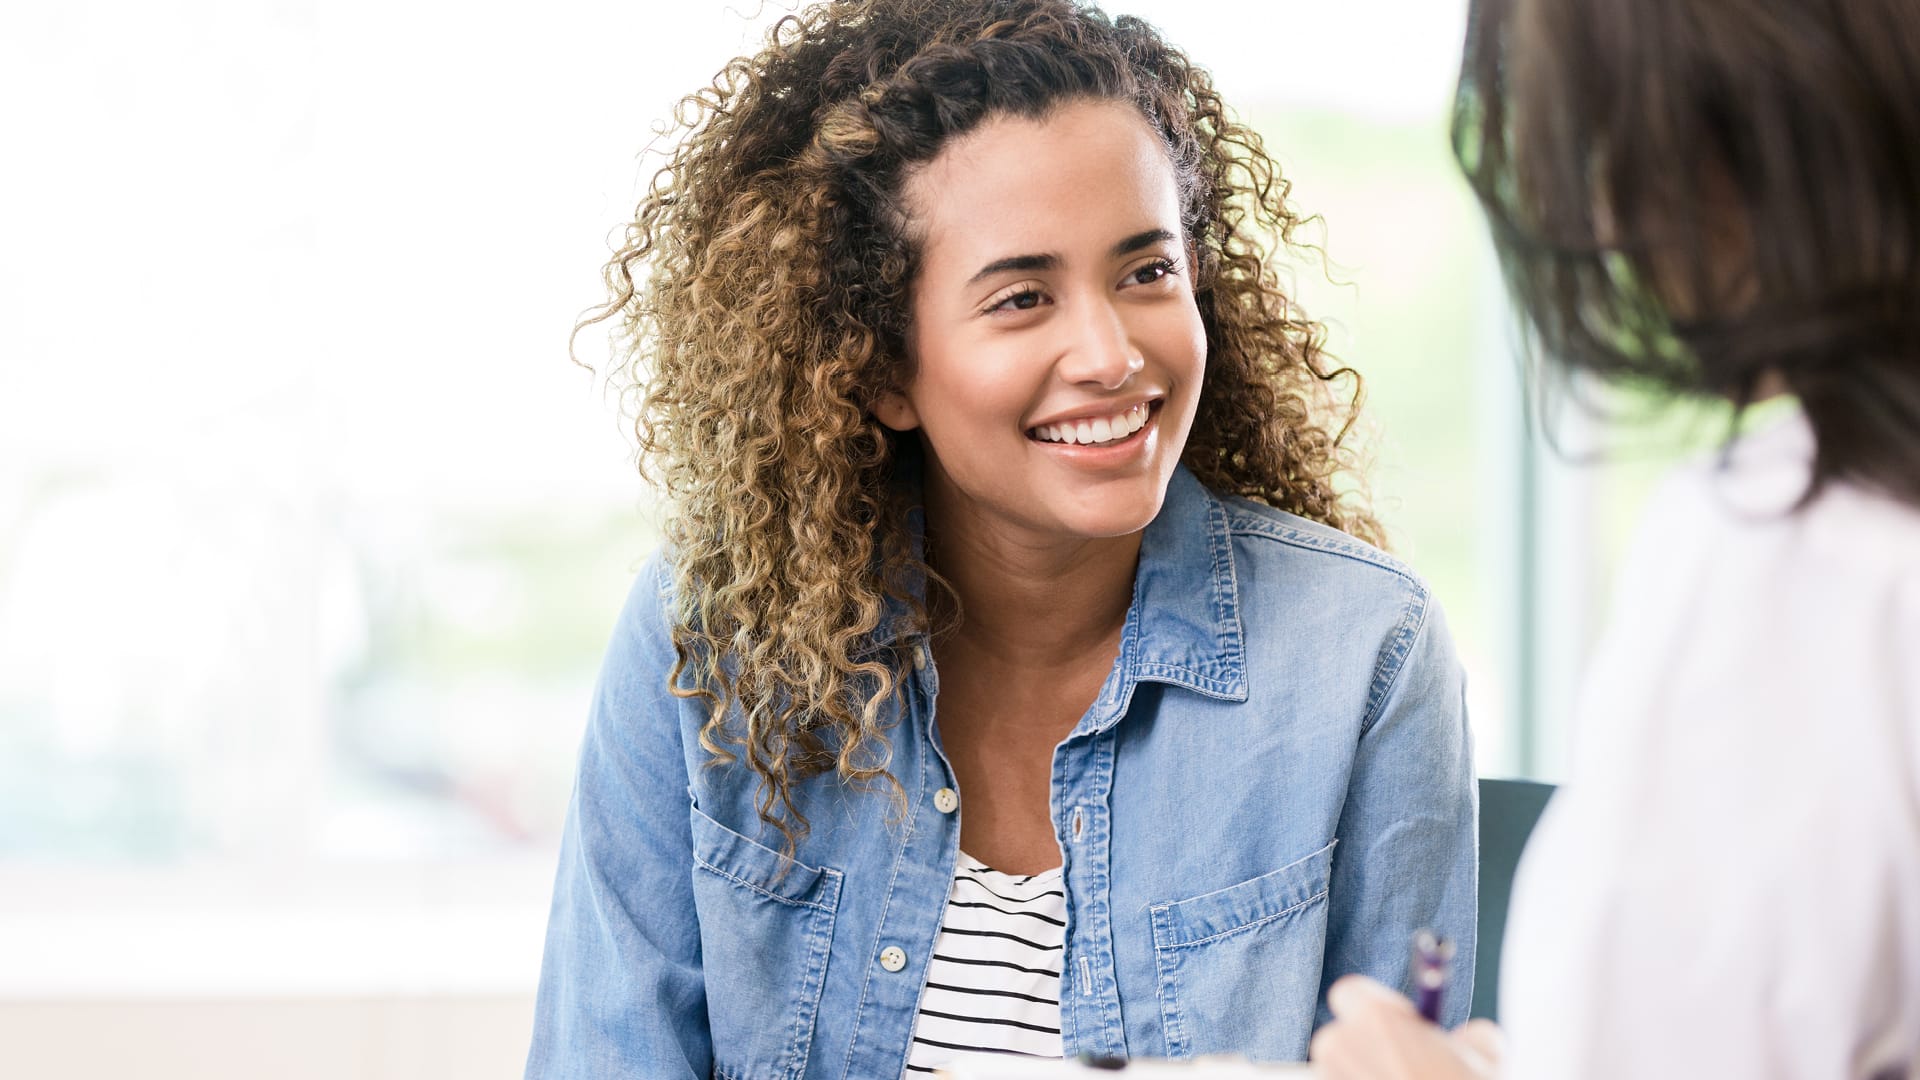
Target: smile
[1095,431]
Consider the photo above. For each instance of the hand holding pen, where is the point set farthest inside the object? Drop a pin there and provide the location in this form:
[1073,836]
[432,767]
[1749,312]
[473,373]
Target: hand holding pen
[1377,1034]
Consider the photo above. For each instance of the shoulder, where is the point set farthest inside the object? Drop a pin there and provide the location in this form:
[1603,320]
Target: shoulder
[650,601]
[1739,517]
[1307,589]
[1756,487]
[1282,547]
[1879,534]
[650,597]
[641,645]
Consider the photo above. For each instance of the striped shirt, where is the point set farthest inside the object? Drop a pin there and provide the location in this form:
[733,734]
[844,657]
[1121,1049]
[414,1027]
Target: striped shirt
[994,983]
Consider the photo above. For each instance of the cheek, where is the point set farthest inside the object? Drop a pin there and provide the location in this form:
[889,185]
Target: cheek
[1182,339]
[970,389]
[1183,351]
[969,406]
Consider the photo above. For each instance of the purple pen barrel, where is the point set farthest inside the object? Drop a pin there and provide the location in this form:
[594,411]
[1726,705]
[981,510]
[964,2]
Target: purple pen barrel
[1432,960]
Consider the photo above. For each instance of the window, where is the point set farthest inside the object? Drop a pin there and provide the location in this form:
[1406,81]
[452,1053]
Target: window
[310,536]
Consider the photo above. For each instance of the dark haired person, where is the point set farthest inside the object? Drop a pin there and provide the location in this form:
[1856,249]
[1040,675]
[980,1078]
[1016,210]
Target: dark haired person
[1015,675]
[1717,200]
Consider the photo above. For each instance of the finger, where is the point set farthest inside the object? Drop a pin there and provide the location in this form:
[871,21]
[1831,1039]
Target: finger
[1331,1041]
[1332,1052]
[1484,1038]
[1357,995]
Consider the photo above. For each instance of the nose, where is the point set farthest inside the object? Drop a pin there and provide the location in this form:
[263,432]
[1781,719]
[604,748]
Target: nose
[1101,351]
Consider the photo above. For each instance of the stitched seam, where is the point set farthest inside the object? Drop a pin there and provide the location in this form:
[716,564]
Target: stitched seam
[819,952]
[1226,612]
[1128,666]
[1281,534]
[1398,647]
[738,839]
[1172,1024]
[1169,905]
[1109,1003]
[1070,852]
[776,897]
[886,900]
[1244,927]
[1250,516]
[1184,676]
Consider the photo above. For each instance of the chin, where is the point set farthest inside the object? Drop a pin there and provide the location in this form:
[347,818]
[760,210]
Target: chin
[1098,518]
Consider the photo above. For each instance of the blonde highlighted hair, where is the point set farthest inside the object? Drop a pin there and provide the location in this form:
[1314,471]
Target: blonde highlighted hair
[761,297]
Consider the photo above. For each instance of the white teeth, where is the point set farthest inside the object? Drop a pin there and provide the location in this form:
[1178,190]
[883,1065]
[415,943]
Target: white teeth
[1101,430]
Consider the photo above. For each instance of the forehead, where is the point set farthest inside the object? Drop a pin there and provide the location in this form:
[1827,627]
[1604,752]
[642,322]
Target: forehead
[1083,174]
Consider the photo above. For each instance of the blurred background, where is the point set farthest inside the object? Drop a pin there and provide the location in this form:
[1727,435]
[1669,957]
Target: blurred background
[311,535]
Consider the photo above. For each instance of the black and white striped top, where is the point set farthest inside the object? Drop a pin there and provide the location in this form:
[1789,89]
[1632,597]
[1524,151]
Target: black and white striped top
[994,983]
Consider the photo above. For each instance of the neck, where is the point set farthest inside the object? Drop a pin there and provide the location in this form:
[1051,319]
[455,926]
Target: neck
[1031,604]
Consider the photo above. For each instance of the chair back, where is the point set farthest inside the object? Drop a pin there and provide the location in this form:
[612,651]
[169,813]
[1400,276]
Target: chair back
[1508,811]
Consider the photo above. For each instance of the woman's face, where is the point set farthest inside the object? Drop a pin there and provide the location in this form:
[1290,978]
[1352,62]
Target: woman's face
[1057,351]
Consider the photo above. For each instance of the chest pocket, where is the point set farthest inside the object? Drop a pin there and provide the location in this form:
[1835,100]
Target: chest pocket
[1239,967]
[764,939]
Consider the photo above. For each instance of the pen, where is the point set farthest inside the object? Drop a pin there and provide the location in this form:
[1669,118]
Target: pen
[1432,957]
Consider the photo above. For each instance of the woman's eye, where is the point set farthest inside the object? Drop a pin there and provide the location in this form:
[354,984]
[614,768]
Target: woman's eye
[1151,272]
[1024,299]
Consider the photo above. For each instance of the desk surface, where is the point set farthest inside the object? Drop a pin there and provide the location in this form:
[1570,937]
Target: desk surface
[1003,1067]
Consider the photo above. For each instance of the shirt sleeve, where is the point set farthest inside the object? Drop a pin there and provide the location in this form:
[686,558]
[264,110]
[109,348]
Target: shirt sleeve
[621,989]
[1408,854]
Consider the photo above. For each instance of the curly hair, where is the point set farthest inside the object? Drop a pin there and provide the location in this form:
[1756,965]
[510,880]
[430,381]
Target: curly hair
[762,293]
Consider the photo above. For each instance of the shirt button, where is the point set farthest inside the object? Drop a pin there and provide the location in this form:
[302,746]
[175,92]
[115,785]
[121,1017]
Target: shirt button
[919,658]
[892,958]
[946,800]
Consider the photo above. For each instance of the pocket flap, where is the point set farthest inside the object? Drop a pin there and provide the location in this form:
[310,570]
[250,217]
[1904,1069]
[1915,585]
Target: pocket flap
[755,866]
[1210,915]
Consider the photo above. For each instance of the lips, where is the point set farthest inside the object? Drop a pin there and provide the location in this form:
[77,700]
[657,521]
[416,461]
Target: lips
[1095,430]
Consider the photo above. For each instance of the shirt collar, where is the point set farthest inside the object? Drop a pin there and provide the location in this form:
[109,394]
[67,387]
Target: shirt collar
[1183,626]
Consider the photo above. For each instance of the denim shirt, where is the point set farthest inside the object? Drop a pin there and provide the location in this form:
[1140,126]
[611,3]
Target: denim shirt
[1274,788]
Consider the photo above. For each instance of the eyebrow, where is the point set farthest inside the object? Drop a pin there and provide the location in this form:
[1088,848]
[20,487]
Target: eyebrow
[1050,261]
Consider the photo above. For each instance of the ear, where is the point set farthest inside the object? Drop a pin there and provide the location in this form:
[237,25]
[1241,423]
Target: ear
[894,410]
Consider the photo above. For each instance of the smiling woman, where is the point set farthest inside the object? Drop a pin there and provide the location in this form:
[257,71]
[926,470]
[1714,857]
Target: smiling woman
[1014,676]
[1023,368]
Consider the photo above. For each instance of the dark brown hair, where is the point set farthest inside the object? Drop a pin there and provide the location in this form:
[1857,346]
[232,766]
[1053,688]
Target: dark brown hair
[1696,196]
[762,303]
